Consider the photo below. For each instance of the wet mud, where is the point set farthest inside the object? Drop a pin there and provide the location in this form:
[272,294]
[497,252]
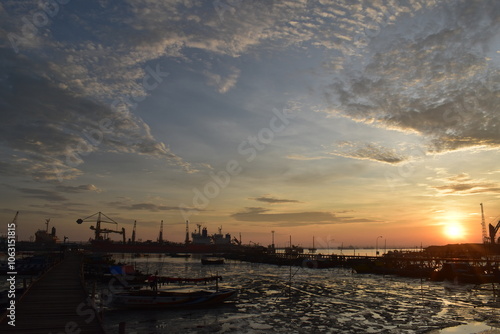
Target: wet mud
[276,299]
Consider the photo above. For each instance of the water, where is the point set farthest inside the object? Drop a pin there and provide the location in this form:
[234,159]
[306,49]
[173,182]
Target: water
[317,301]
[475,327]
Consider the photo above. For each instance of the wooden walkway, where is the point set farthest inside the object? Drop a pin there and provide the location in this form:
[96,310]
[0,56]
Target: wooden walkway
[56,303]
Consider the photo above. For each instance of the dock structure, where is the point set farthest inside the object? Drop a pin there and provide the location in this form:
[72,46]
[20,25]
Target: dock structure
[56,303]
[407,263]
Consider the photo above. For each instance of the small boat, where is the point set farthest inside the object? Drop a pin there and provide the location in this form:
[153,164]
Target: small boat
[172,299]
[127,276]
[211,260]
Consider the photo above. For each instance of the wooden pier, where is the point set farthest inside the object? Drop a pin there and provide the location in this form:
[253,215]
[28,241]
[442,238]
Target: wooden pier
[55,303]
[473,269]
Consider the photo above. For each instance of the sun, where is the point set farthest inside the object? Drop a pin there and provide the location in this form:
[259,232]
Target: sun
[454,231]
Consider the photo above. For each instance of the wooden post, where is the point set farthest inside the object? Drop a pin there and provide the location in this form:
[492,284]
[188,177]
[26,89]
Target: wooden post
[121,328]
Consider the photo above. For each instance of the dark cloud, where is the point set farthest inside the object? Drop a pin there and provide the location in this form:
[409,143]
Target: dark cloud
[78,189]
[149,207]
[273,200]
[50,130]
[368,151]
[59,209]
[55,194]
[47,195]
[259,214]
[126,205]
[468,188]
[463,184]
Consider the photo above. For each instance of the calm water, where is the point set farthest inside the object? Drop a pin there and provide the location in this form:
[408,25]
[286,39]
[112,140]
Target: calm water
[319,301]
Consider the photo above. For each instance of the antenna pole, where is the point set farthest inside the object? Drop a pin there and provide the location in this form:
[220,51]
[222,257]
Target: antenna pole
[187,232]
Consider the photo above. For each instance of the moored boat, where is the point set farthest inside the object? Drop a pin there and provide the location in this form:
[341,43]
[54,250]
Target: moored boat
[172,299]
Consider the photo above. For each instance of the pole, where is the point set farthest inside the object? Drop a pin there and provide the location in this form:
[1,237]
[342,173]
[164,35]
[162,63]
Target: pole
[376,245]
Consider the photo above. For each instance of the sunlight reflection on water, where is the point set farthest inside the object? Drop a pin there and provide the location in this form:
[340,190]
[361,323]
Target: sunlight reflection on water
[470,328]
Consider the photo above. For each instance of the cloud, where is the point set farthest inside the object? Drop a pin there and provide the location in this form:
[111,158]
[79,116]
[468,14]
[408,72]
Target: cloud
[148,207]
[303,158]
[424,67]
[126,204]
[273,200]
[47,195]
[462,177]
[434,74]
[55,194]
[104,55]
[58,209]
[259,214]
[223,84]
[78,189]
[49,130]
[368,151]
[463,184]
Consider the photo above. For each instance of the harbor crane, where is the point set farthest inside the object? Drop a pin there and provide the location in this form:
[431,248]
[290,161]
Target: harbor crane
[486,239]
[160,236]
[98,230]
[493,232]
[133,230]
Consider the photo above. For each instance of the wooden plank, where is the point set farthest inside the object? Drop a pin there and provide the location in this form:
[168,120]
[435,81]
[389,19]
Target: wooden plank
[56,303]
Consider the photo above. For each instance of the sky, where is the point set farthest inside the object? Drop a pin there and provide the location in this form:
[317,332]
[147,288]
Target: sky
[351,122]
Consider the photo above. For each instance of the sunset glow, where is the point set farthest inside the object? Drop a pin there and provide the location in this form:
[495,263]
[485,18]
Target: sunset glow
[342,120]
[454,231]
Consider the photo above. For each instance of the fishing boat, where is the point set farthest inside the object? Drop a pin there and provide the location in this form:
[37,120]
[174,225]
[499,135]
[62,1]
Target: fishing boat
[172,298]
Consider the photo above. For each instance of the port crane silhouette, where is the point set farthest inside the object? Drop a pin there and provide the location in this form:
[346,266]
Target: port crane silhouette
[98,230]
[491,238]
